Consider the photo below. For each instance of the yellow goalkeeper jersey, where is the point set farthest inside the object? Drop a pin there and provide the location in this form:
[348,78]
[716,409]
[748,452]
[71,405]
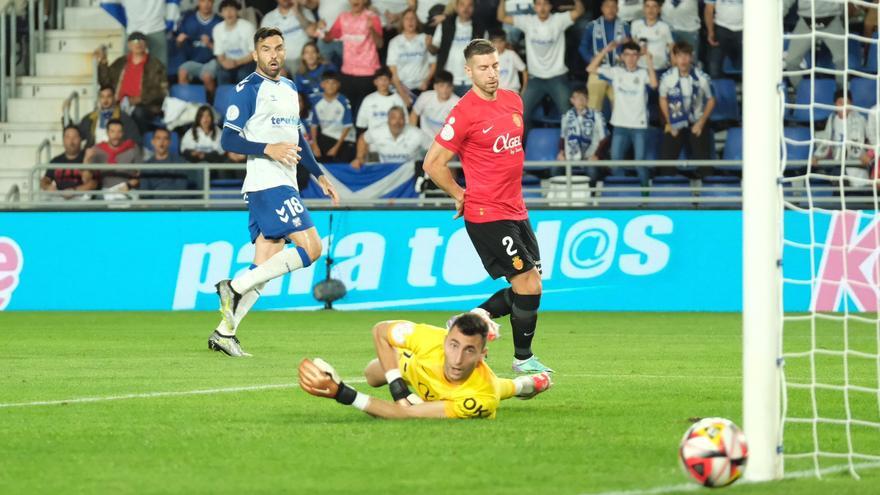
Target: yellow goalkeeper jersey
[421,358]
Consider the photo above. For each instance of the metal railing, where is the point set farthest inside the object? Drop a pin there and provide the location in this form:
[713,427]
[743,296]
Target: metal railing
[797,190]
[7,65]
[66,117]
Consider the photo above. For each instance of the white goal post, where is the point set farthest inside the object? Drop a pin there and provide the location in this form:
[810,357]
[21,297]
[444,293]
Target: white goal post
[763,100]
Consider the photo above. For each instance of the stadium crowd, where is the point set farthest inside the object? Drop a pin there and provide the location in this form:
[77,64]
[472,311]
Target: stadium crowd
[599,79]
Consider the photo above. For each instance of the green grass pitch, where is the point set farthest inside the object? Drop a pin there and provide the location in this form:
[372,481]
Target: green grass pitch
[626,387]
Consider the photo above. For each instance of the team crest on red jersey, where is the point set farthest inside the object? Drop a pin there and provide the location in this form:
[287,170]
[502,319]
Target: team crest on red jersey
[517,120]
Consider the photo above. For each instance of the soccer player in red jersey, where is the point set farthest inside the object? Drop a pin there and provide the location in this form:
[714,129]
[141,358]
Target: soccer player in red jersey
[485,129]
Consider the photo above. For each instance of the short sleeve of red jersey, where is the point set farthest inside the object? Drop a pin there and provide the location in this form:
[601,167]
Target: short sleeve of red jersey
[454,131]
[472,407]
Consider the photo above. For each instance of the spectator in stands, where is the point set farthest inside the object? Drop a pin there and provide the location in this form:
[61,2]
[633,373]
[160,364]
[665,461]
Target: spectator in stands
[686,102]
[545,53]
[724,25]
[450,39]
[233,47]
[390,12]
[332,125]
[171,179]
[394,142]
[93,127]
[629,115]
[654,34]
[412,66]
[584,135]
[683,17]
[296,22]
[140,79]
[432,107]
[630,10]
[514,8]
[328,12]
[62,179]
[148,17]
[311,67]
[195,38]
[827,20]
[361,33]
[599,34]
[512,72]
[201,143]
[852,125]
[116,150]
[374,109]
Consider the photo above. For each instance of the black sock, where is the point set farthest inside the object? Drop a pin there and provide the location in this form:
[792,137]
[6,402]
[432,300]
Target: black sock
[523,320]
[499,303]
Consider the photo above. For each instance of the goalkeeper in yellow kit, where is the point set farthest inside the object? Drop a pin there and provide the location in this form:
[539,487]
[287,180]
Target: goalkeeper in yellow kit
[446,370]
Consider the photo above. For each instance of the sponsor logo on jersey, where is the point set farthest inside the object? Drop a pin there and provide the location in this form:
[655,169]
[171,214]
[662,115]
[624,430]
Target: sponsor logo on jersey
[448,132]
[285,121]
[505,142]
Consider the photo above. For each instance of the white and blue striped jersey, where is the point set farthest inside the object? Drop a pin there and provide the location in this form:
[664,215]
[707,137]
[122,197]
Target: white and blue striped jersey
[265,111]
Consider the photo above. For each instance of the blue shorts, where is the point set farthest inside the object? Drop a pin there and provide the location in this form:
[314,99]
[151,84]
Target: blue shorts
[277,213]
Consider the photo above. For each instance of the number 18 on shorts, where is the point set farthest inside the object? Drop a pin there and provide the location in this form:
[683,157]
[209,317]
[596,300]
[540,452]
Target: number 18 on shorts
[276,213]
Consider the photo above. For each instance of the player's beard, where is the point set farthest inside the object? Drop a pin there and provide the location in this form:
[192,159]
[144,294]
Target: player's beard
[269,70]
[487,88]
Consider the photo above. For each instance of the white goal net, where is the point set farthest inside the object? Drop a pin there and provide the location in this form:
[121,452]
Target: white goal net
[830,340]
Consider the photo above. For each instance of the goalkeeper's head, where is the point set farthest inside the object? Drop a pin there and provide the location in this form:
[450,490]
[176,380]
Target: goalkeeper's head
[465,347]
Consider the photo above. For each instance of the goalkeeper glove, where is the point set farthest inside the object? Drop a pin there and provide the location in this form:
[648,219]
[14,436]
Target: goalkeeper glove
[321,380]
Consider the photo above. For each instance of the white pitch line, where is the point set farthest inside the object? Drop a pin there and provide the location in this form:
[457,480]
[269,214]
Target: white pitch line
[692,487]
[152,395]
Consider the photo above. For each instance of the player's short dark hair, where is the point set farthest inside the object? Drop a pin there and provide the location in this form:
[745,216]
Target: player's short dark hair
[330,75]
[579,91]
[631,45]
[497,34]
[682,47]
[839,94]
[266,32]
[443,76]
[69,127]
[229,3]
[114,121]
[471,324]
[479,46]
[658,2]
[105,87]
[382,71]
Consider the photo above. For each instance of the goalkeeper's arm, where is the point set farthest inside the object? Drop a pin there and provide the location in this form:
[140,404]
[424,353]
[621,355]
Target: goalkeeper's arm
[387,354]
[320,379]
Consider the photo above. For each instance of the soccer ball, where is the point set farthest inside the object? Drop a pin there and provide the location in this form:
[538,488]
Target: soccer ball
[714,452]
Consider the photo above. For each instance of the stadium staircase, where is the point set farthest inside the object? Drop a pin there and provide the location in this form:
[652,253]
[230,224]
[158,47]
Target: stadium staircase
[64,67]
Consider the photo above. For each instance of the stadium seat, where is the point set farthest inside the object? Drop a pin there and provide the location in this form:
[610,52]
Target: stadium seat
[718,186]
[675,186]
[733,145]
[726,104]
[175,142]
[800,149]
[226,189]
[620,187]
[194,93]
[546,114]
[863,91]
[222,99]
[731,69]
[855,53]
[825,89]
[871,61]
[542,144]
